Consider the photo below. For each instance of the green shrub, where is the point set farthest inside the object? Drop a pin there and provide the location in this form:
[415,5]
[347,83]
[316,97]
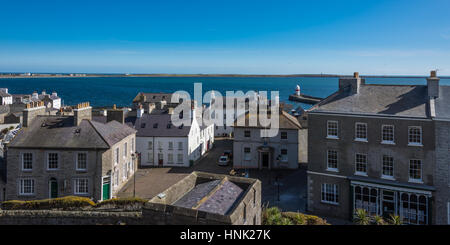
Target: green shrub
[65,203]
[120,202]
[273,216]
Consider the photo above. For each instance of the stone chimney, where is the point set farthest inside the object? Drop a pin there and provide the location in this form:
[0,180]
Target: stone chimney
[433,85]
[82,111]
[150,107]
[162,103]
[116,114]
[140,111]
[170,110]
[31,111]
[35,95]
[353,83]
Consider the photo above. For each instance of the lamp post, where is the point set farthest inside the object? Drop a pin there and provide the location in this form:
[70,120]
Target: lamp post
[133,156]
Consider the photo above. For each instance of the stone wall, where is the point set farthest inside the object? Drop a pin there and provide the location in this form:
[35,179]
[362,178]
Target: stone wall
[442,173]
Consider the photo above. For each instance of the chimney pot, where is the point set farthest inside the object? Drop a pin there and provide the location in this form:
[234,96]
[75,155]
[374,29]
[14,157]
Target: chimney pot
[433,73]
[356,74]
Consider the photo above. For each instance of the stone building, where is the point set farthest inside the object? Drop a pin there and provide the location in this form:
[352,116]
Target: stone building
[373,147]
[207,199]
[54,156]
[250,150]
[5,97]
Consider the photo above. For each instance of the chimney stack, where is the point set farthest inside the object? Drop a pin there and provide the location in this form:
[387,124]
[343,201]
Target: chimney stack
[32,110]
[354,83]
[81,112]
[140,111]
[150,108]
[433,85]
[116,114]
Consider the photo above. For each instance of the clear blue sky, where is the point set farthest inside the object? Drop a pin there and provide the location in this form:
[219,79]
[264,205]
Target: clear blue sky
[212,36]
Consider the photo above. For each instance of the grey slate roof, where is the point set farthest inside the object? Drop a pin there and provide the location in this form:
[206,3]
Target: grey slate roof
[213,196]
[60,132]
[388,100]
[145,126]
[286,121]
[442,103]
[3,94]
[154,97]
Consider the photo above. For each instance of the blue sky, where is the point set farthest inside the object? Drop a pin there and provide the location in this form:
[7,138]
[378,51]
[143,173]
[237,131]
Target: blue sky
[251,37]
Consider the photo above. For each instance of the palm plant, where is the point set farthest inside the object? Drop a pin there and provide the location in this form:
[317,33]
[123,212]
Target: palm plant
[361,217]
[395,220]
[378,220]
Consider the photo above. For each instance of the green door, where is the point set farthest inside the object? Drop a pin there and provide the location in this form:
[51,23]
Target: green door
[106,191]
[53,188]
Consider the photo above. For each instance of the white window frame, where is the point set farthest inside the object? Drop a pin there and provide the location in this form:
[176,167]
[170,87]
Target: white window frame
[356,164]
[421,172]
[388,142]
[421,136]
[150,145]
[170,158]
[77,159]
[448,212]
[178,158]
[247,155]
[76,186]
[21,187]
[330,136]
[23,162]
[334,192]
[284,157]
[389,177]
[125,150]
[170,145]
[150,157]
[116,155]
[336,169]
[124,172]
[48,160]
[356,132]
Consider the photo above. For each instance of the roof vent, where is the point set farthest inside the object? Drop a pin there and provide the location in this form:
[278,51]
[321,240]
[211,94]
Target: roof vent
[77,131]
[181,126]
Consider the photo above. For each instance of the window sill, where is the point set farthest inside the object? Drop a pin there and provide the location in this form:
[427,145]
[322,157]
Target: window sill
[335,170]
[417,181]
[27,195]
[27,170]
[415,144]
[386,177]
[361,140]
[52,169]
[332,137]
[388,142]
[330,203]
[81,170]
[361,174]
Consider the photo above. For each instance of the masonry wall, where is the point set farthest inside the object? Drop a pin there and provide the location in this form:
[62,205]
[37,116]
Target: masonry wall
[442,173]
[347,147]
[255,141]
[65,175]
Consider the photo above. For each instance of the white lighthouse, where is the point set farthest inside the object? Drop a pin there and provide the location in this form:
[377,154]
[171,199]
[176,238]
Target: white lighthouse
[297,90]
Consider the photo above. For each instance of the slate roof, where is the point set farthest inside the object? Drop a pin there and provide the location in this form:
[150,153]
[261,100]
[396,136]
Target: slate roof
[4,94]
[286,121]
[153,97]
[214,196]
[372,99]
[145,126]
[442,103]
[60,132]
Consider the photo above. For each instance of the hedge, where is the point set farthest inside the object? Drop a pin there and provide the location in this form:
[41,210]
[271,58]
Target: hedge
[65,203]
[273,216]
[121,201]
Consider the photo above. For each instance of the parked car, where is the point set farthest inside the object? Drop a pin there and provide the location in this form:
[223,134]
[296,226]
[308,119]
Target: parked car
[228,153]
[224,160]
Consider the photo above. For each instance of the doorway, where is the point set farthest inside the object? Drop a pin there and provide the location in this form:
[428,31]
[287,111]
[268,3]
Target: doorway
[265,160]
[106,188]
[53,188]
[388,203]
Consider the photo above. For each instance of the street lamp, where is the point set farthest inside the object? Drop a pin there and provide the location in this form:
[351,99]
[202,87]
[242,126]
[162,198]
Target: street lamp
[133,156]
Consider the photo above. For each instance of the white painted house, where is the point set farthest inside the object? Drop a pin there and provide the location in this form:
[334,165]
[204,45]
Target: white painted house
[6,98]
[160,143]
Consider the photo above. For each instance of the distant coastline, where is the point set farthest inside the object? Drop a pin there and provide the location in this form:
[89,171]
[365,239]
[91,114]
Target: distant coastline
[50,75]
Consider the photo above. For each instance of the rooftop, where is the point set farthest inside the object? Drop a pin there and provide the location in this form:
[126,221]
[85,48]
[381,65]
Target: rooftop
[60,132]
[388,100]
[286,121]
